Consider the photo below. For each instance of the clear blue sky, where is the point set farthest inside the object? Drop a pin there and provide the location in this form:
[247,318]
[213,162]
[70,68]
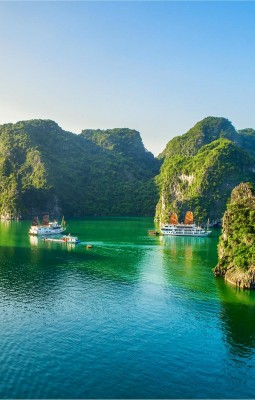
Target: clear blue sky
[158,67]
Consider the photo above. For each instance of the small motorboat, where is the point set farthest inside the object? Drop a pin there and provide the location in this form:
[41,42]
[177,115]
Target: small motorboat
[63,239]
[70,239]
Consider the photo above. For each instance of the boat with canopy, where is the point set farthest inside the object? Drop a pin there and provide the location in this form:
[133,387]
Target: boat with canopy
[47,227]
[188,228]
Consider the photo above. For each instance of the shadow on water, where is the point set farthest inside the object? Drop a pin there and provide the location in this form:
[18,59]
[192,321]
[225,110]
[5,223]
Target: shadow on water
[237,318]
[188,264]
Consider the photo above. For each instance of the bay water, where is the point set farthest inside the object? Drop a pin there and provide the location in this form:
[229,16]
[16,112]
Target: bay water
[135,316]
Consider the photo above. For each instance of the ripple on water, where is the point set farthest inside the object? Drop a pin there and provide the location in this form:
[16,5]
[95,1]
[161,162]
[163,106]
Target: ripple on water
[133,317]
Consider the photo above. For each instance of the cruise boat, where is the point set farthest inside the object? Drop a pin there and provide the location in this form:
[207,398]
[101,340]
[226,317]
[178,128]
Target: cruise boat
[46,227]
[188,228]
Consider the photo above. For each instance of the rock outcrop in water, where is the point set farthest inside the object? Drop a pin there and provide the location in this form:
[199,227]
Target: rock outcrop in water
[237,243]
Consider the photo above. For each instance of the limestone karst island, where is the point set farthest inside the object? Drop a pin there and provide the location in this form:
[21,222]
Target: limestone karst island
[237,243]
[120,269]
[127,200]
[110,173]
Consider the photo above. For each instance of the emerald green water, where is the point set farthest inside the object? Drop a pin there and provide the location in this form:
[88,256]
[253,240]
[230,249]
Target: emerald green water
[133,317]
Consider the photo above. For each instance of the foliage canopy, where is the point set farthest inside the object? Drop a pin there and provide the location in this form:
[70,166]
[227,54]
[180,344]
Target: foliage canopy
[46,169]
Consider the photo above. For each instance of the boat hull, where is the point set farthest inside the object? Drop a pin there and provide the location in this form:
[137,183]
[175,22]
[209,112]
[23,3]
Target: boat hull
[186,234]
[62,240]
[46,231]
[184,230]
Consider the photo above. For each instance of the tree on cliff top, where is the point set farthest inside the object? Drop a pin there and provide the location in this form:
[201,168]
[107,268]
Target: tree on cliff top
[202,133]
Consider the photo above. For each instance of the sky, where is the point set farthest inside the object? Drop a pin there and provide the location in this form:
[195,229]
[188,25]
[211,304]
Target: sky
[157,67]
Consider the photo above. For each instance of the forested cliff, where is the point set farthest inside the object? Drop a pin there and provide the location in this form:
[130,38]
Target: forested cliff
[46,169]
[109,172]
[201,167]
[237,243]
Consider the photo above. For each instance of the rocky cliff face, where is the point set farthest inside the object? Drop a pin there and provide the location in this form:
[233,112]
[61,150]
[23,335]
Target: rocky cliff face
[237,244]
[109,172]
[201,168]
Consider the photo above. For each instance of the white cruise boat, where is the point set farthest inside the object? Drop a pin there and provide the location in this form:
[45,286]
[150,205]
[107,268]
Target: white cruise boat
[46,228]
[188,228]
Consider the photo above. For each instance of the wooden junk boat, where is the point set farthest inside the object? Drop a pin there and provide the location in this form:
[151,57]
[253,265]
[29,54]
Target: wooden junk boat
[188,228]
[46,227]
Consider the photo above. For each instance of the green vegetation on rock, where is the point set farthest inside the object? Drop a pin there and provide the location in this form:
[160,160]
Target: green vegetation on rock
[201,168]
[204,132]
[237,243]
[46,169]
[109,172]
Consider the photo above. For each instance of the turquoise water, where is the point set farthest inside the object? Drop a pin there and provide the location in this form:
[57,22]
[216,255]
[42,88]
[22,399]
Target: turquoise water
[133,317]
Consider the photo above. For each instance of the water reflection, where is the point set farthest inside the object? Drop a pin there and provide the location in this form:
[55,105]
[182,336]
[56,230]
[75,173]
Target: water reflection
[237,318]
[40,242]
[183,247]
[145,309]
[33,240]
[188,261]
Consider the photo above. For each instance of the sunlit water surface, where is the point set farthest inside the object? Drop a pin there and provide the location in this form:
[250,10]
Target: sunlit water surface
[133,317]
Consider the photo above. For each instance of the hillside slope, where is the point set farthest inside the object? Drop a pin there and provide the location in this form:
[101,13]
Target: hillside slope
[202,133]
[201,168]
[44,168]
